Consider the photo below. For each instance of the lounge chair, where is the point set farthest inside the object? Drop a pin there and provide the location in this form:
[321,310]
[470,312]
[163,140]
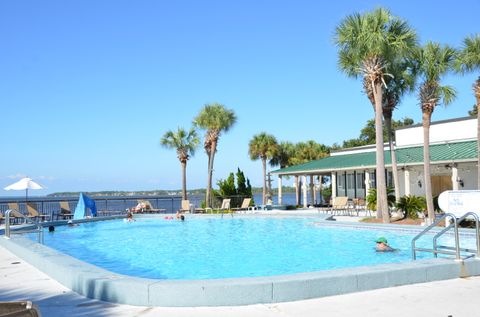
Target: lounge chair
[225,206]
[15,214]
[359,204]
[32,209]
[340,205]
[245,205]
[185,207]
[65,211]
[149,208]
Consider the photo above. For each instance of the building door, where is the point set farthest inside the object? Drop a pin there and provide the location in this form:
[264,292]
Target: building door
[441,184]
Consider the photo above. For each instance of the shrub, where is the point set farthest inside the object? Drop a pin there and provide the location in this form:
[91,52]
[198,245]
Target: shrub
[372,198]
[327,193]
[411,205]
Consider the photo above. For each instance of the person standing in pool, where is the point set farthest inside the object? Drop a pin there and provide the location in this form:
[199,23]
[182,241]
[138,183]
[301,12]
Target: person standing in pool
[130,217]
[382,245]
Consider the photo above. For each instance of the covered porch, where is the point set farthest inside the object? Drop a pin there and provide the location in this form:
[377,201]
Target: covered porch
[351,172]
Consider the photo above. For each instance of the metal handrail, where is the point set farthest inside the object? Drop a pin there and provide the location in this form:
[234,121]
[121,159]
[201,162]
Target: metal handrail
[36,223]
[437,220]
[458,221]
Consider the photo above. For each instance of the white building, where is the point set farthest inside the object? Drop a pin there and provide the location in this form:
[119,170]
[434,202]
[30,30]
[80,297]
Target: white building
[453,157]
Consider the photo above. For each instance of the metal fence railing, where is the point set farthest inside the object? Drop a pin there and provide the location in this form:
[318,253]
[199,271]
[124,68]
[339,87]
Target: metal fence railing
[105,205]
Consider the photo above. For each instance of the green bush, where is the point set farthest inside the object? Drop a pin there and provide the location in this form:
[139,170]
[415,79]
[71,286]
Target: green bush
[327,193]
[372,198]
[411,205]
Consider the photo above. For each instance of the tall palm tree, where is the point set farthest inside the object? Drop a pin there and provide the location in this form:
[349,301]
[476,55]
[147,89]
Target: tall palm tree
[433,61]
[367,43]
[215,119]
[468,61]
[263,146]
[185,144]
[283,158]
[401,81]
[283,155]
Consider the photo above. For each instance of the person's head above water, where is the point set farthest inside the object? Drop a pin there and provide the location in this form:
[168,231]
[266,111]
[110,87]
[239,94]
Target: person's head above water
[382,245]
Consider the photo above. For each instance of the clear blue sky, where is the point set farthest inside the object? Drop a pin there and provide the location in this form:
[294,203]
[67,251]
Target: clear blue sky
[87,88]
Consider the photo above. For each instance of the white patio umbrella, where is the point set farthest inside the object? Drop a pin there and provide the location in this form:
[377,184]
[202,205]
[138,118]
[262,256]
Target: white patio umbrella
[25,183]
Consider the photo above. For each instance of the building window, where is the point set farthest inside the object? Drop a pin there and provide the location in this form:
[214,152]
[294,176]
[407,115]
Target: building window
[340,180]
[360,180]
[350,181]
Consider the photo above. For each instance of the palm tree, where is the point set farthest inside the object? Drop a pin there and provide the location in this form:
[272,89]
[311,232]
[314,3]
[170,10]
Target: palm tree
[308,151]
[401,82]
[185,144]
[367,43]
[433,61]
[468,61]
[263,146]
[215,119]
[283,155]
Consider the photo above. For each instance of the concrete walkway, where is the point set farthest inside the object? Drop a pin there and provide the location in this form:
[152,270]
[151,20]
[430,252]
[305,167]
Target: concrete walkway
[458,297]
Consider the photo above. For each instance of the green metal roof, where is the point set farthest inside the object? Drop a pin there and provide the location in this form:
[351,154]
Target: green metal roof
[445,152]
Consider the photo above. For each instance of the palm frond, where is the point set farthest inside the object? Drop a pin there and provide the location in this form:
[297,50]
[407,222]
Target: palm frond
[469,56]
[448,94]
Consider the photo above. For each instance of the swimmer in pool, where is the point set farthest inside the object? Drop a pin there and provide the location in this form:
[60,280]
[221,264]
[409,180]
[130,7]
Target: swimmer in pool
[130,217]
[382,245]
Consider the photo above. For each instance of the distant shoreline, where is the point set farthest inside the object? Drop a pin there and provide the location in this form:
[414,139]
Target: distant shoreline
[255,190]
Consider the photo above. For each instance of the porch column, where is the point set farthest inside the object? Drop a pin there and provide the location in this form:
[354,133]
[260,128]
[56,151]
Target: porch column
[367,182]
[312,190]
[454,177]
[334,185]
[297,190]
[407,182]
[304,180]
[279,189]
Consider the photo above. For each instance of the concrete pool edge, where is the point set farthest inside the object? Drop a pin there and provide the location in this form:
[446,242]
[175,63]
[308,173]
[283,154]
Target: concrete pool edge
[97,283]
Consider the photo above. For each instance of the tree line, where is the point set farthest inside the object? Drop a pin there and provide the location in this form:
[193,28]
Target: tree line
[383,51]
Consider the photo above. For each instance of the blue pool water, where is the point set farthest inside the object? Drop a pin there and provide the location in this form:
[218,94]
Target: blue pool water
[205,248]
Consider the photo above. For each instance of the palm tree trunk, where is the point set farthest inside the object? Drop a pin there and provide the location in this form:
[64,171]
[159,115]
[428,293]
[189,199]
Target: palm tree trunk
[211,158]
[264,194]
[209,181]
[382,203]
[184,180]
[426,117]
[476,90]
[210,175]
[388,124]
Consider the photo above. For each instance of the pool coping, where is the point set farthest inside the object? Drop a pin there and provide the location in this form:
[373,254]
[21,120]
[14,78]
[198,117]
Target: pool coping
[97,283]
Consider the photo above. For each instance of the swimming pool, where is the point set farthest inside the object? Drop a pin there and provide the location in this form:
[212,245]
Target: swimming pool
[275,243]
[212,248]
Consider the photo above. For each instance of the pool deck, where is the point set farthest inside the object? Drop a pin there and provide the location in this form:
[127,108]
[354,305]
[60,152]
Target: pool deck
[457,297]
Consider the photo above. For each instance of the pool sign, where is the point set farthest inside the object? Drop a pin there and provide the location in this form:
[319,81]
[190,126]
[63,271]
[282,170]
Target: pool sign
[459,202]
